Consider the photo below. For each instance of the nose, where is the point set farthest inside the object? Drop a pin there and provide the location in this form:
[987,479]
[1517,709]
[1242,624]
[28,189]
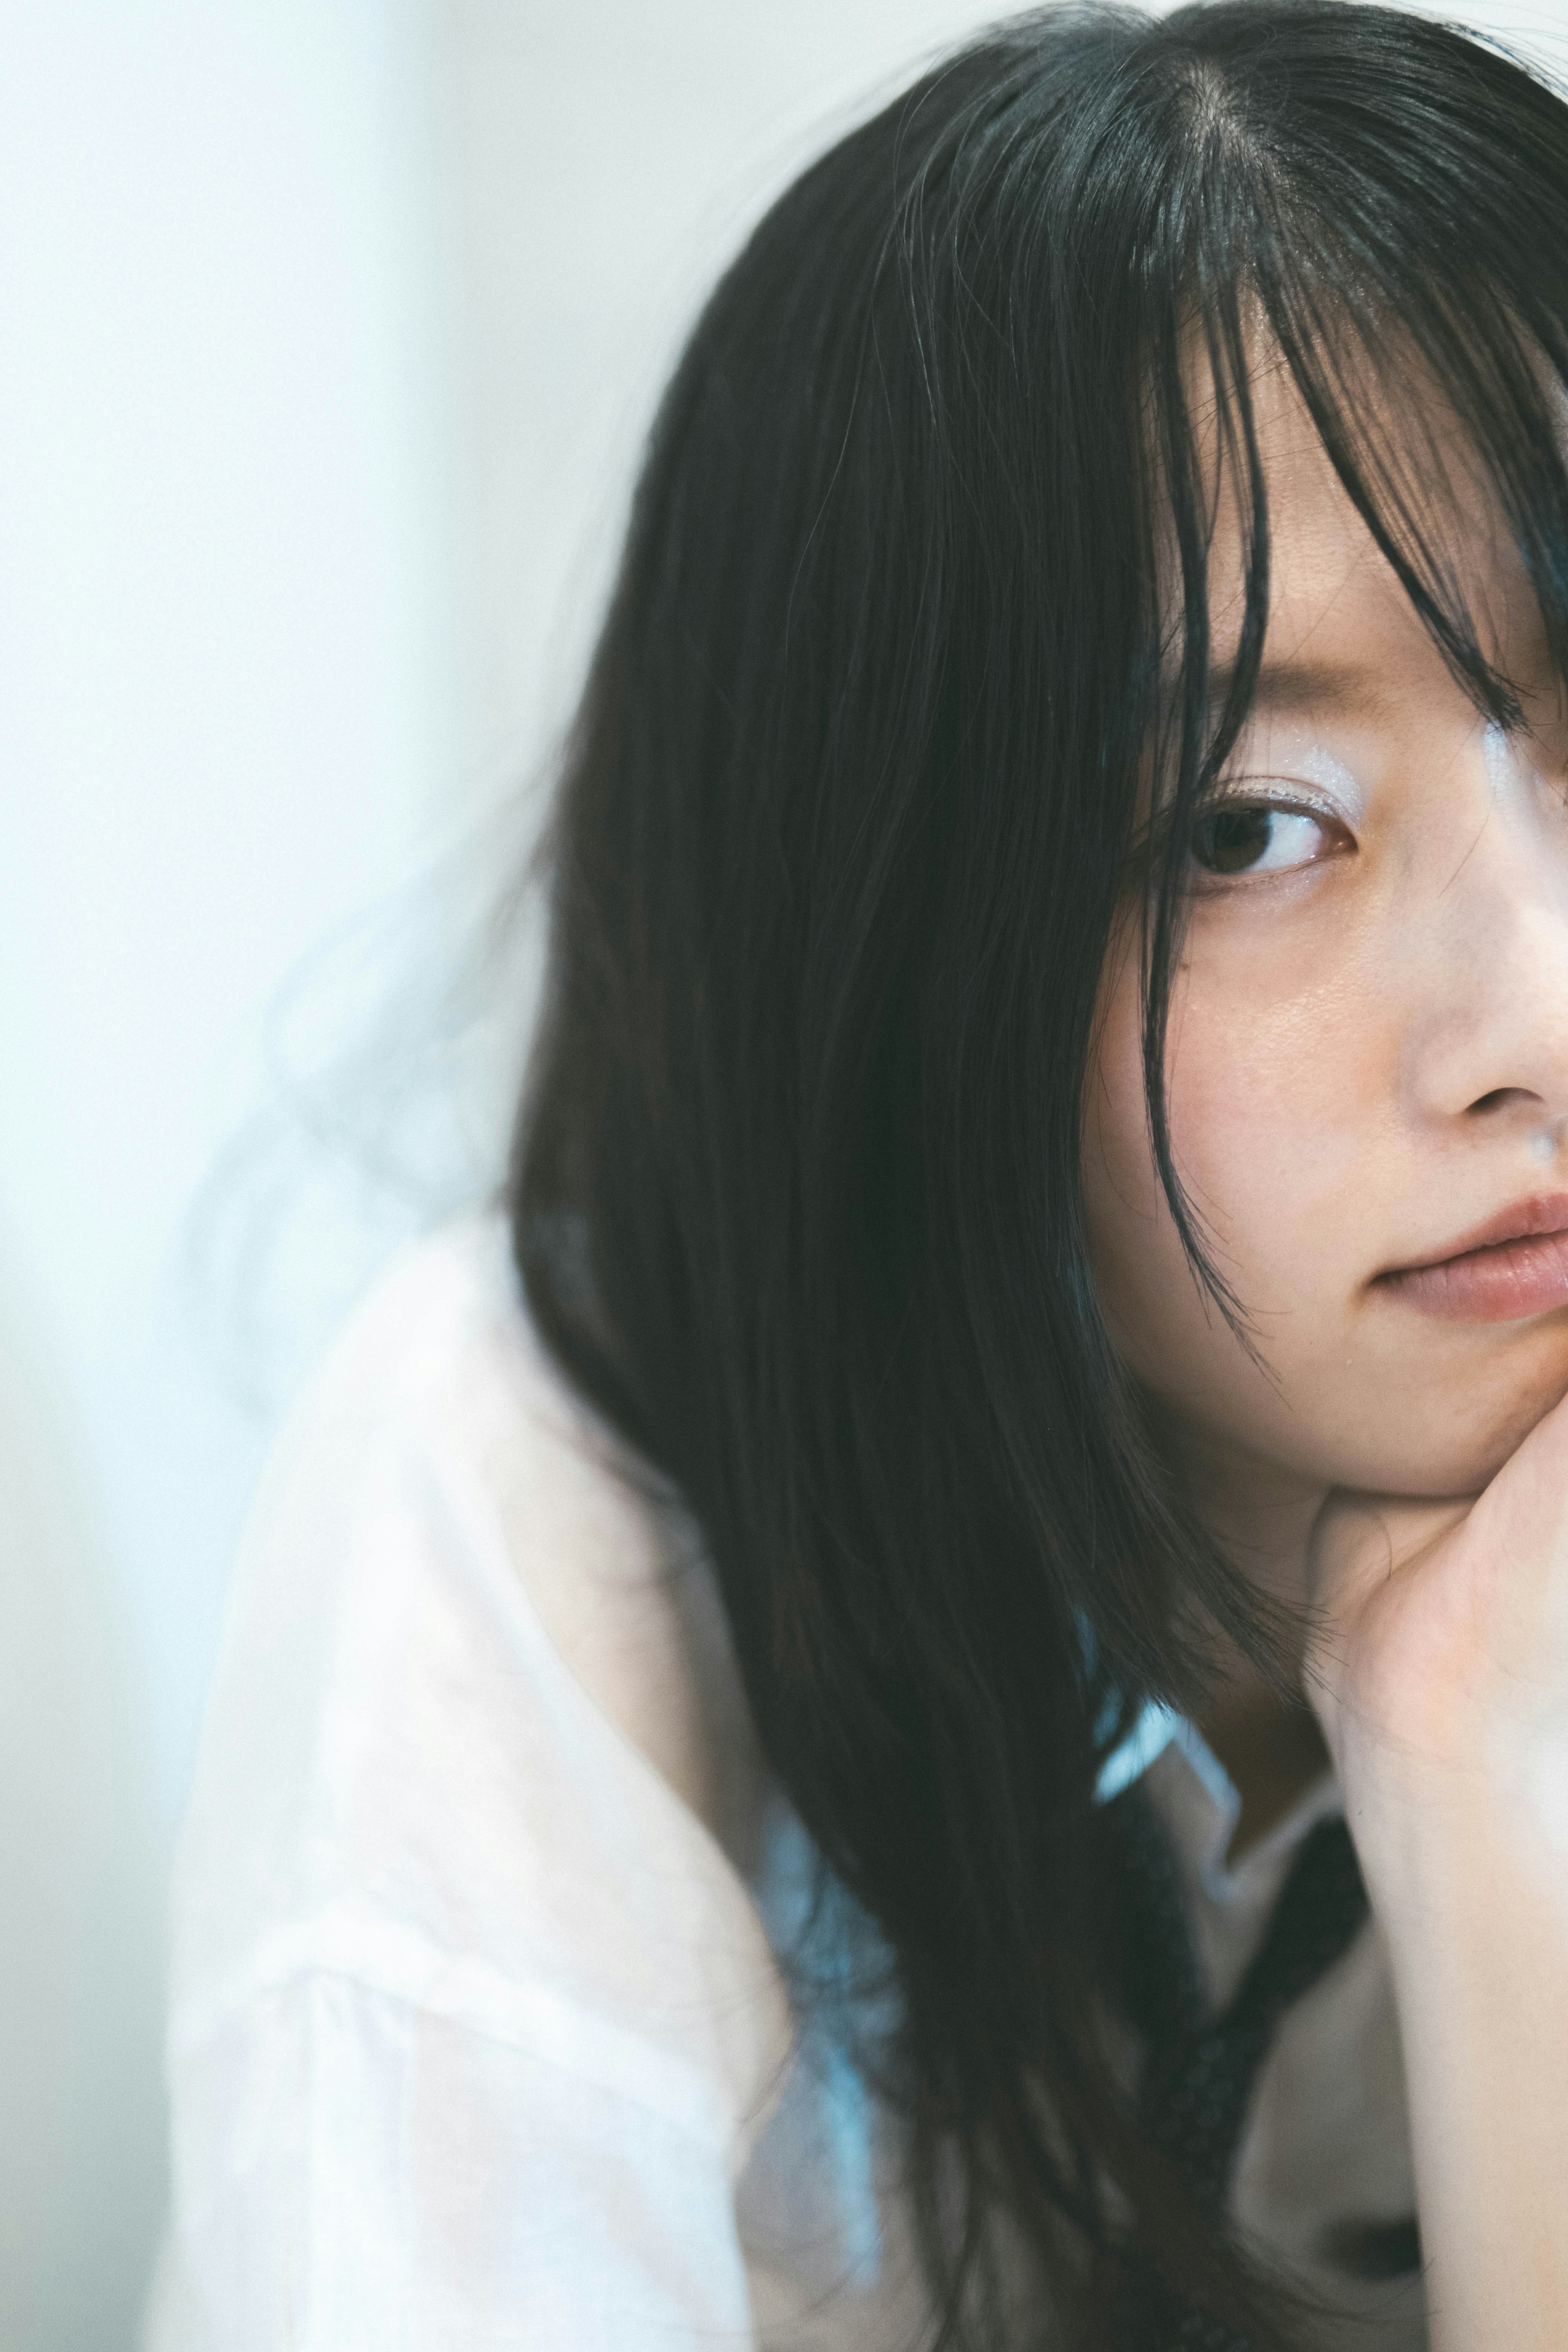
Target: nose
[1490,1043]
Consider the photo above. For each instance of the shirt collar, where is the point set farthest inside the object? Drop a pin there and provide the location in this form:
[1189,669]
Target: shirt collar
[1156,1727]
[1160,1727]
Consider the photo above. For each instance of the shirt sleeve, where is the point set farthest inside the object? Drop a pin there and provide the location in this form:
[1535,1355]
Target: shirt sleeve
[472,2022]
[359,2174]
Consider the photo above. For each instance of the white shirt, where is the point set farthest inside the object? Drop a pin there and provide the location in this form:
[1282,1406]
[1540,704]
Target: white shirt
[478,2037]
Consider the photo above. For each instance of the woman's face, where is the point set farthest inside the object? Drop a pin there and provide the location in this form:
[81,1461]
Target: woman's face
[1368,1059]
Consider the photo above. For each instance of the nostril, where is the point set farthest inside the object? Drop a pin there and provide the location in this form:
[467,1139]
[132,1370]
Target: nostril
[1505,1099]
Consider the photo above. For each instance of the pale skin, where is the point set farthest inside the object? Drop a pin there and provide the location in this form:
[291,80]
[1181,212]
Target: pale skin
[1368,1062]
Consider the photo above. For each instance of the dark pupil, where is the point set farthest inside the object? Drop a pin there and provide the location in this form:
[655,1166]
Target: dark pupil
[1230,840]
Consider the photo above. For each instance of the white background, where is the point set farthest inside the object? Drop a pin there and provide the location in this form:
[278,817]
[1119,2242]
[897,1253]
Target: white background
[327,332]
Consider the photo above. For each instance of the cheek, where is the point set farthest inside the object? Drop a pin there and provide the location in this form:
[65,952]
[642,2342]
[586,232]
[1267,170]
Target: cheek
[1140,1268]
[1275,1113]
[1271,1108]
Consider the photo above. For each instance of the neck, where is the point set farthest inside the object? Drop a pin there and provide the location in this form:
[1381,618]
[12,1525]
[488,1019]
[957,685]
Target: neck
[1271,1746]
[1261,1517]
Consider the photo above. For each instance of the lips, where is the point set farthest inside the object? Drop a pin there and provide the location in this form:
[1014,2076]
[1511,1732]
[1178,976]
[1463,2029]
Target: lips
[1515,1265]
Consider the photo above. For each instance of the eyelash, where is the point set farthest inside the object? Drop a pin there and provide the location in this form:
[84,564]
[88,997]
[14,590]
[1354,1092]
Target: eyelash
[1240,803]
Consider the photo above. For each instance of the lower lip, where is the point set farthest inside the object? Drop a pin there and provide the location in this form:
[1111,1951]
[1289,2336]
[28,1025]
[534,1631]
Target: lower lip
[1501,1284]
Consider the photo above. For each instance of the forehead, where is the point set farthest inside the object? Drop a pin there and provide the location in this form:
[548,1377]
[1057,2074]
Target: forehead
[1335,601]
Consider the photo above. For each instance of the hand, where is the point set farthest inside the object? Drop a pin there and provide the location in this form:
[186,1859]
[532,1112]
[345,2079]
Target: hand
[1441,1682]
[1441,1673]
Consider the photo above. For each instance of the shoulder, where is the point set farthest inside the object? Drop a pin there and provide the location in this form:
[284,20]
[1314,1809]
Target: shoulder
[439,1357]
[474,1706]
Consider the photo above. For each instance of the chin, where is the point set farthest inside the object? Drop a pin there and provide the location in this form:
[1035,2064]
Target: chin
[1487,1423]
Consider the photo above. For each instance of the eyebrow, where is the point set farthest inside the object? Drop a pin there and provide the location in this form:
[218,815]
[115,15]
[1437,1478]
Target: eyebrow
[1286,690]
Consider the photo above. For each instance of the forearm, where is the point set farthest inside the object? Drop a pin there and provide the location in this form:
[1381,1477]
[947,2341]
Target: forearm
[1477,1923]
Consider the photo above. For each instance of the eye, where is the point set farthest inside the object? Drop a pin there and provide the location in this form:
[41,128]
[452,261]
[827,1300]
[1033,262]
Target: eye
[1260,837]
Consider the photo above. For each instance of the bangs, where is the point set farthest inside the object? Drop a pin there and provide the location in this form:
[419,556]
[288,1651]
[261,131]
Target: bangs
[1428,345]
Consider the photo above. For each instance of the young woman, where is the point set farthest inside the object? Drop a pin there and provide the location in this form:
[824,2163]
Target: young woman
[782,1778]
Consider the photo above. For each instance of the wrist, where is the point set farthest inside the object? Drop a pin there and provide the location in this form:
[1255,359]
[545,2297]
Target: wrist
[1465,1835]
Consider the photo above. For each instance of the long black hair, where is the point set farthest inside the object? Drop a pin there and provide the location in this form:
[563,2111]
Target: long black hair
[915,578]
